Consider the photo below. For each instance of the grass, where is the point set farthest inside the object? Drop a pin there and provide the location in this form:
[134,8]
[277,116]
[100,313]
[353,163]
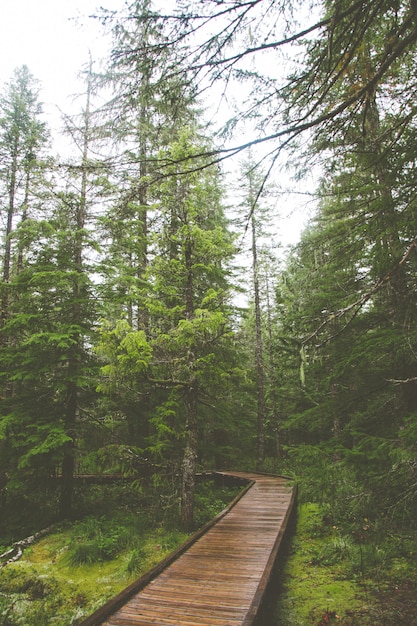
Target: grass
[335,576]
[348,573]
[65,581]
[68,574]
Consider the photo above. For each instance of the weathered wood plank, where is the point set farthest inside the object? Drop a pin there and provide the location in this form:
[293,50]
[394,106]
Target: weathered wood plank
[220,578]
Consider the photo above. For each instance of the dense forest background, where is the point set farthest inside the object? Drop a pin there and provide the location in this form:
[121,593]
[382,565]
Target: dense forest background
[125,347]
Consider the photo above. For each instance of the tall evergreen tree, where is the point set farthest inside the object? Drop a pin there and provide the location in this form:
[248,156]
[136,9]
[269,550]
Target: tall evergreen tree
[250,206]
[22,136]
[145,113]
[48,334]
[78,205]
[187,302]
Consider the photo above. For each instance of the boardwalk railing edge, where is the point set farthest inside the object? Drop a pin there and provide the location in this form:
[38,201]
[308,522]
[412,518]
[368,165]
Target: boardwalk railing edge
[123,596]
[252,614]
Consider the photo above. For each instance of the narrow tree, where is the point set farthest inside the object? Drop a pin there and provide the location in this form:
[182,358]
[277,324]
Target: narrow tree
[77,207]
[144,114]
[255,216]
[186,299]
[22,135]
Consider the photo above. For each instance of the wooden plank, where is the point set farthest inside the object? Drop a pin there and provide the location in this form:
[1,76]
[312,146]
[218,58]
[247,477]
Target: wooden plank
[220,577]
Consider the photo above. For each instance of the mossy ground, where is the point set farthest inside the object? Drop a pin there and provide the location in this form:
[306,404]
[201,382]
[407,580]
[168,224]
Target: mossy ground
[333,576]
[69,573]
[47,587]
[333,573]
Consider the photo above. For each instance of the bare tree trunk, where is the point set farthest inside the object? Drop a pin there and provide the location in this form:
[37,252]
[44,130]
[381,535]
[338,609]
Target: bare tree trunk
[68,461]
[8,243]
[142,314]
[272,378]
[22,221]
[260,368]
[189,462]
[80,208]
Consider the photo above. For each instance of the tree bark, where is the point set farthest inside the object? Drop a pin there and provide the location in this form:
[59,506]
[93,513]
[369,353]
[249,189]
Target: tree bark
[8,240]
[260,368]
[273,383]
[189,463]
[80,208]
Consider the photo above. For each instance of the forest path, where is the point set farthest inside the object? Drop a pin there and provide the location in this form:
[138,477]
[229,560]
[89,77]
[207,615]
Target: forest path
[221,578]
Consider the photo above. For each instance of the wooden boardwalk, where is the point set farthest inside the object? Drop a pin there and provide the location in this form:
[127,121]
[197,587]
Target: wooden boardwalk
[220,579]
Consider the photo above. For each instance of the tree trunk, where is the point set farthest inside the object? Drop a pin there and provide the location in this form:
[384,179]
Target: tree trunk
[67,483]
[189,463]
[395,301]
[260,369]
[273,383]
[68,461]
[8,242]
[80,208]
[23,220]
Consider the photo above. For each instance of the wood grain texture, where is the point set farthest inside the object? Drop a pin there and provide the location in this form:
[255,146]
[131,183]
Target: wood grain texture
[222,576]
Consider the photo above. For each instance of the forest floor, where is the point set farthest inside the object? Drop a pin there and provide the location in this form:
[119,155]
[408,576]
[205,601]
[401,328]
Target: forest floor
[335,576]
[69,573]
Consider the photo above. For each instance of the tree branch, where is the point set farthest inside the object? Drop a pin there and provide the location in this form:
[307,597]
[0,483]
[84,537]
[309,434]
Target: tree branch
[360,302]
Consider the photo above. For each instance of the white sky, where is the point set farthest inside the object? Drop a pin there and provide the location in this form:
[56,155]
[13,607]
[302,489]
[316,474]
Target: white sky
[53,38]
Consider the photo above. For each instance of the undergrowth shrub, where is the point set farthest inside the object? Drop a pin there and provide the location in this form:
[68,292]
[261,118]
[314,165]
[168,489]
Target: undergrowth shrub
[29,507]
[206,506]
[171,539]
[27,598]
[135,561]
[85,553]
[28,582]
[121,541]
[6,612]
[96,539]
[323,477]
[334,551]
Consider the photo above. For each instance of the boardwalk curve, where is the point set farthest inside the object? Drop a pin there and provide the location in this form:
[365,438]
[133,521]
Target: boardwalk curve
[220,576]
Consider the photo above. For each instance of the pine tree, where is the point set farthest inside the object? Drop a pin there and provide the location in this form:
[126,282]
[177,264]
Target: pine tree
[186,298]
[145,113]
[77,206]
[22,136]
[48,332]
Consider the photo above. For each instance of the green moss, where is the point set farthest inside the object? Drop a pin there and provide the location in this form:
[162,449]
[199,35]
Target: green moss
[314,582]
[346,573]
[68,574]
[46,582]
